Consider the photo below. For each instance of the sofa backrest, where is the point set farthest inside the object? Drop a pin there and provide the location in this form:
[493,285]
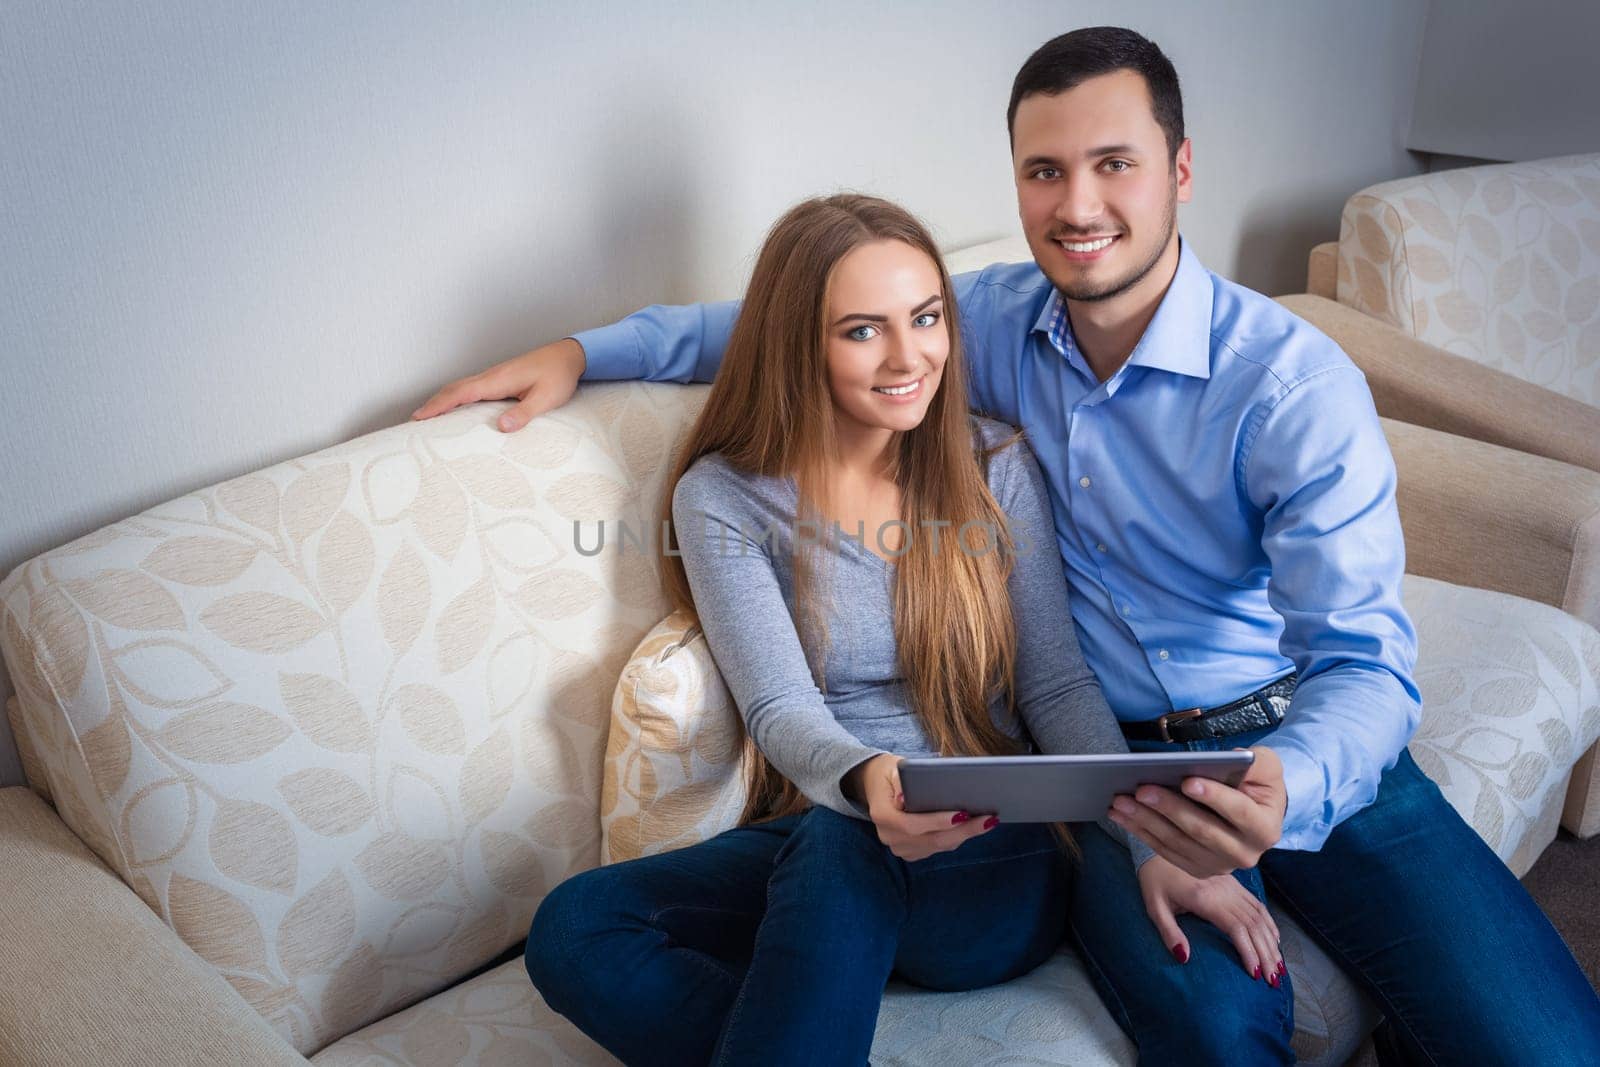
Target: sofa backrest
[340,722]
[1500,264]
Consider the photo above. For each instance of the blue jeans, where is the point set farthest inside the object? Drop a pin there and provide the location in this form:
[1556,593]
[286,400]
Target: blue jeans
[1404,896]
[771,943]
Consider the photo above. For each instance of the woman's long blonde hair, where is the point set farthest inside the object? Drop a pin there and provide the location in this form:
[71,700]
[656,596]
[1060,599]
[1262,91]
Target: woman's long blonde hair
[770,412]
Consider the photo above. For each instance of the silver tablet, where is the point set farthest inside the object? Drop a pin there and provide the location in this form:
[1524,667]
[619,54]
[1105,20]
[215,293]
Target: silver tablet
[1053,788]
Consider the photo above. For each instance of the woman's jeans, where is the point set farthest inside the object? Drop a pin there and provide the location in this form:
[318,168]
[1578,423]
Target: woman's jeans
[771,943]
[1404,896]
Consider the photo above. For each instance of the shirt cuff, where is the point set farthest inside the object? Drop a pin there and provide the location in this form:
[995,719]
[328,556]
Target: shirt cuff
[830,790]
[1304,828]
[610,353]
[1136,848]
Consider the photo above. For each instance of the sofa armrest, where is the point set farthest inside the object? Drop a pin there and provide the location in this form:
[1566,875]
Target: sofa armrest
[89,974]
[1481,515]
[1415,382]
[1322,270]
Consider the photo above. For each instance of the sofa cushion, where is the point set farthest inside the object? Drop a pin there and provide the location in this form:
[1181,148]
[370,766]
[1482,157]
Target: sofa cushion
[1500,264]
[340,722]
[672,772]
[1049,1016]
[1510,702]
[493,1019]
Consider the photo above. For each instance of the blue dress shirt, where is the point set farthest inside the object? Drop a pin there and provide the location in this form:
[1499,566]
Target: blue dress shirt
[1224,505]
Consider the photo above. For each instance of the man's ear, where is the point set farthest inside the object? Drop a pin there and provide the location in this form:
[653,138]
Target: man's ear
[1183,171]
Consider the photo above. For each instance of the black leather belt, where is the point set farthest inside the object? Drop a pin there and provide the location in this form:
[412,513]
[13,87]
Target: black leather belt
[1264,707]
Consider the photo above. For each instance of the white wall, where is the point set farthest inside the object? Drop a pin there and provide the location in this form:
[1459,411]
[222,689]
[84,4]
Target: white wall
[232,233]
[1540,101]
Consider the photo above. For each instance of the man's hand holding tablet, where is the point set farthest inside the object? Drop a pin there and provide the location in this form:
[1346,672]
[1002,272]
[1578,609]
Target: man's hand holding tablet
[1210,828]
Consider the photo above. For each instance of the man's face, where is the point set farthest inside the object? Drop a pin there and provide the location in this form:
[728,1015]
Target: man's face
[1096,187]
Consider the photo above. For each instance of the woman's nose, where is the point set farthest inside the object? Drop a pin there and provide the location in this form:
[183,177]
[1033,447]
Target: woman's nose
[903,353]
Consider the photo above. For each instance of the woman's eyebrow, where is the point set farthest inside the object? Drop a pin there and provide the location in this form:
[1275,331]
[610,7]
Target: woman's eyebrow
[934,299]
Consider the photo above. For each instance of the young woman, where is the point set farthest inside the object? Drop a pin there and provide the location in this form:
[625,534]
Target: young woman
[875,573]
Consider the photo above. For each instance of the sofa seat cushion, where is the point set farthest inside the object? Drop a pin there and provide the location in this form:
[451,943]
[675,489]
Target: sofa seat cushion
[1050,1016]
[493,1019]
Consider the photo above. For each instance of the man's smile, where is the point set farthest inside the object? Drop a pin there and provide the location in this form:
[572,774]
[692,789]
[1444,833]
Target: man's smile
[1086,250]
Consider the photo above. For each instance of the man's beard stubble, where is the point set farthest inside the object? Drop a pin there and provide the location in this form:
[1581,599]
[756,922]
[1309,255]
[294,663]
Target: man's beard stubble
[1107,290]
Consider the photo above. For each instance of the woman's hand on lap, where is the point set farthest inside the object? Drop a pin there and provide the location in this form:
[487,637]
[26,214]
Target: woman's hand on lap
[911,835]
[1223,902]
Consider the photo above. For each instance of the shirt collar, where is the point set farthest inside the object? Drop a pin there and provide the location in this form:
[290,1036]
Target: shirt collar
[1178,339]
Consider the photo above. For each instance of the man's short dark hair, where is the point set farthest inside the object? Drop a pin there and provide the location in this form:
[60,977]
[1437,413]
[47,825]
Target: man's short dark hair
[1063,62]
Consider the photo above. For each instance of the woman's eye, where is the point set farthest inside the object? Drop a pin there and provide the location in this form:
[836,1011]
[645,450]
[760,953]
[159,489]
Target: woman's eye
[927,318]
[861,333]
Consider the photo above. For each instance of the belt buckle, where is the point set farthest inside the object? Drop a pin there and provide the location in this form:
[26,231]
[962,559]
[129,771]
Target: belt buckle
[1176,716]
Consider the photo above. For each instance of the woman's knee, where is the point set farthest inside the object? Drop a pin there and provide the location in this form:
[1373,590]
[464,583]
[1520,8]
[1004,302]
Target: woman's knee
[553,936]
[565,926]
[833,854]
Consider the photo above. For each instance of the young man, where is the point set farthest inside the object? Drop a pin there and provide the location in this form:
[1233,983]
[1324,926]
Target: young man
[1225,508]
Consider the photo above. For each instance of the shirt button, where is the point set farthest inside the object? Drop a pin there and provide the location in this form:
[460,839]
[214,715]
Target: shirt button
[1163,653]
[1126,610]
[1084,481]
[1101,546]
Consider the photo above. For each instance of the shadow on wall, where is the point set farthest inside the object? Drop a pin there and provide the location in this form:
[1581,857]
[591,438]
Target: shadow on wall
[1276,237]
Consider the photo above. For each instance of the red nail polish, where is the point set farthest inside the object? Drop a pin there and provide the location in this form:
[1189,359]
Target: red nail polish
[1255,975]
[1282,970]
[1180,953]
[991,822]
[1272,980]
[958,818]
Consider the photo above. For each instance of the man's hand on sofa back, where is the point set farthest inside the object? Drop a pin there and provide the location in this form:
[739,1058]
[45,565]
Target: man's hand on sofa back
[540,381]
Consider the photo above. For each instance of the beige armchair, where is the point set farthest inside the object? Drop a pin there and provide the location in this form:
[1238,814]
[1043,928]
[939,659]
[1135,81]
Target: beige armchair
[1471,300]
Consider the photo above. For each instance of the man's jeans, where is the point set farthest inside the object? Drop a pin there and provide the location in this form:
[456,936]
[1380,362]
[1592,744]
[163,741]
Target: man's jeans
[771,943]
[1404,896]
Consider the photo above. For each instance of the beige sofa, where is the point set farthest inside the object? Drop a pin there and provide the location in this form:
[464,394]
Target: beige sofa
[306,748]
[1471,300]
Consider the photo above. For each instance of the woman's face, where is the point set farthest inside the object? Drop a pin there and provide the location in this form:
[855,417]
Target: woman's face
[886,337]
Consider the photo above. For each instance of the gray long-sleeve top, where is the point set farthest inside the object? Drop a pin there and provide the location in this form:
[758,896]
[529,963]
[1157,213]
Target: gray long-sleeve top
[736,532]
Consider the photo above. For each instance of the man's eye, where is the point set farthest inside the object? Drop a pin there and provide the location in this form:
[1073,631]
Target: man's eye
[861,333]
[1117,165]
[1049,174]
[927,318]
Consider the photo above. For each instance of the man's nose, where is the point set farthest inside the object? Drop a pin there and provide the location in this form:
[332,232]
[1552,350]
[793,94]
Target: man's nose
[1080,205]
